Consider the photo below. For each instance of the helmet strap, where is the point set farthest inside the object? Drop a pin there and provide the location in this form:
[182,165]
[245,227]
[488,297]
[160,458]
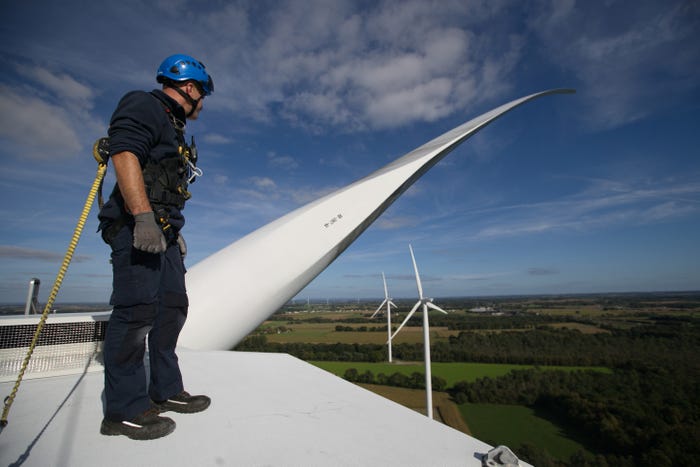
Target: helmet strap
[193,102]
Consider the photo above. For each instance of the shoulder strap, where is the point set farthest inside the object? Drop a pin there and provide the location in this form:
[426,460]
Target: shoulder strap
[177,124]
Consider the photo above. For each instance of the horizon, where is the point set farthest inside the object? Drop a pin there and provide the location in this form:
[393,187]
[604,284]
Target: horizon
[367,300]
[599,190]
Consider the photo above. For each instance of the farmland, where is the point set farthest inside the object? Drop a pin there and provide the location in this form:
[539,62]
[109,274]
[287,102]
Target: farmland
[575,380]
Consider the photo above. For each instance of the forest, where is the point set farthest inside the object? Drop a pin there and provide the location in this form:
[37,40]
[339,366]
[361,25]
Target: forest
[644,412]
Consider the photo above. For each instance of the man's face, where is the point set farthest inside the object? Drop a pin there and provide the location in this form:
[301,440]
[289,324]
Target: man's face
[196,93]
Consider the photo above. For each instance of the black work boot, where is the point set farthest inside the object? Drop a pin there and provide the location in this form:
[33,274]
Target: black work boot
[183,403]
[148,425]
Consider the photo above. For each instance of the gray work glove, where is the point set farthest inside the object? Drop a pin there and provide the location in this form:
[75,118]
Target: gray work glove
[147,234]
[183,246]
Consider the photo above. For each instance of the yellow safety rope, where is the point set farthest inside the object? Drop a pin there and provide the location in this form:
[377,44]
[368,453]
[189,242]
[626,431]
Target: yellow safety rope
[101,170]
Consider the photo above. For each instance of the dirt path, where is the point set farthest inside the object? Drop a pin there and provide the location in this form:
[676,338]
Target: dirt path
[444,410]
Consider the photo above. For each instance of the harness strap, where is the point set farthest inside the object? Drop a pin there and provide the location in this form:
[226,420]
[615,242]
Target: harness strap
[100,151]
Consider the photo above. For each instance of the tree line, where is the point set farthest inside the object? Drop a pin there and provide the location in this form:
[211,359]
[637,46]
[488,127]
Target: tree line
[341,328]
[666,342]
[415,381]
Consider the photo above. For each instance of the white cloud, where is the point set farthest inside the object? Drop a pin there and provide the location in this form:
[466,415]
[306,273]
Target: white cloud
[596,207]
[319,64]
[620,55]
[60,85]
[388,63]
[281,162]
[263,183]
[45,114]
[221,179]
[215,138]
[42,130]
[426,102]
[397,222]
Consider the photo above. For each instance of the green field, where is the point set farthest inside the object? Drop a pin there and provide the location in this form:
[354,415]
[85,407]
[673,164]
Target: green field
[450,372]
[514,425]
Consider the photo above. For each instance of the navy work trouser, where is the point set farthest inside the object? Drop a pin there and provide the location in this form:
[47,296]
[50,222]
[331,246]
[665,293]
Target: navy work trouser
[148,298]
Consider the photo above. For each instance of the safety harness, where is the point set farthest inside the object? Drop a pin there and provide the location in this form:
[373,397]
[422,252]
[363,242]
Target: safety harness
[167,180]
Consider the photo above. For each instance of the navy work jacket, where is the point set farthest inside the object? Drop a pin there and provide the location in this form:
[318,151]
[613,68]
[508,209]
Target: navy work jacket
[141,125]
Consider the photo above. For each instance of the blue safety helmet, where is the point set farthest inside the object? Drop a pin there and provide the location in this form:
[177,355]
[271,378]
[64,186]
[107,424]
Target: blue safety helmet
[181,67]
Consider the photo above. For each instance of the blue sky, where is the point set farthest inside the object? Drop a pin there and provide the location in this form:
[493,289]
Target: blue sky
[593,192]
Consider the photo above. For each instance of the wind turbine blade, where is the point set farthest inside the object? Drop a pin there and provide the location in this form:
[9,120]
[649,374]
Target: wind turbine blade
[435,307]
[237,288]
[379,308]
[386,291]
[392,304]
[413,310]
[415,268]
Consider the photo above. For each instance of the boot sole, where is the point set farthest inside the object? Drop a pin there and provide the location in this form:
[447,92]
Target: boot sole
[140,434]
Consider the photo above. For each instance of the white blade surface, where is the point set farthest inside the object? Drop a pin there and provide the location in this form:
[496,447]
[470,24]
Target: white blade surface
[386,298]
[413,310]
[415,268]
[435,307]
[379,308]
[234,290]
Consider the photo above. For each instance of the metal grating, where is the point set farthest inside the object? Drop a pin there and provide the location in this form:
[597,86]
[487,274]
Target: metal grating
[67,344]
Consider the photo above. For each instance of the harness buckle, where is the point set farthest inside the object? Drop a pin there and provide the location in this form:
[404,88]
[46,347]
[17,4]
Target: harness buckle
[100,150]
[163,219]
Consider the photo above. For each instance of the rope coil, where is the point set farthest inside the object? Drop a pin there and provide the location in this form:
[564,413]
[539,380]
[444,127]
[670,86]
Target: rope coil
[101,170]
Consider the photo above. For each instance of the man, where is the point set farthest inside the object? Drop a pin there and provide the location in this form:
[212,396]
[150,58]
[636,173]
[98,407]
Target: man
[141,222]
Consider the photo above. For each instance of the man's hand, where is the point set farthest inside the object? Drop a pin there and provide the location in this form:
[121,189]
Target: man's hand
[147,234]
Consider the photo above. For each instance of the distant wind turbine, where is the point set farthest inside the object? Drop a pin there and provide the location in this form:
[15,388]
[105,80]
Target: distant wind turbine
[426,303]
[389,304]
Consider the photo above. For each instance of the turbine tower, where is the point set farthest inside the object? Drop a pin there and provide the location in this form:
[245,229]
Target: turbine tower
[389,304]
[426,303]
